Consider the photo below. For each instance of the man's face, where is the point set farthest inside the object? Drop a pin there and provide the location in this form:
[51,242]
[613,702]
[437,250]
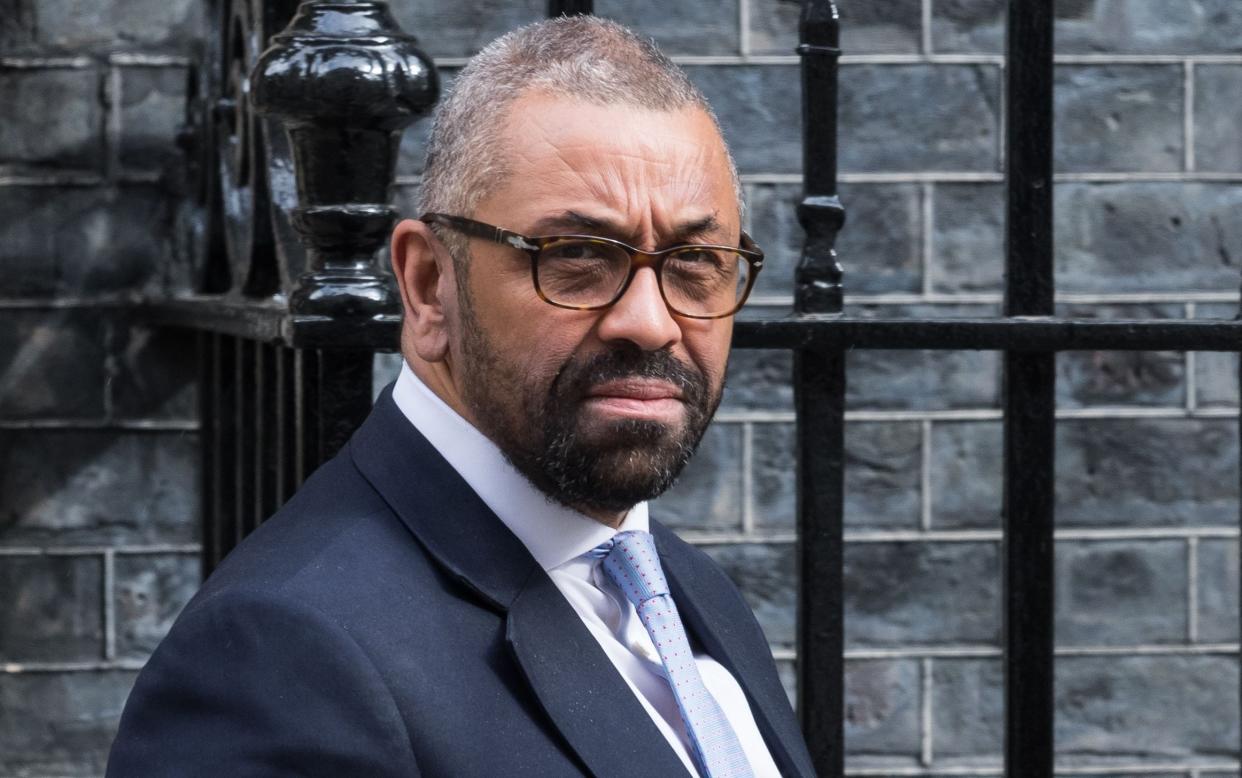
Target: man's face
[599,409]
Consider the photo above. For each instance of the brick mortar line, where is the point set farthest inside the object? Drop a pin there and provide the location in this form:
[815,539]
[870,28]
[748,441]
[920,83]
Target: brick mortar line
[80,179]
[50,63]
[899,177]
[988,652]
[927,242]
[1192,589]
[1192,382]
[85,178]
[726,60]
[942,59]
[111,369]
[996,177]
[1154,176]
[109,604]
[1188,115]
[748,478]
[1066,298]
[1112,768]
[1076,534]
[1126,412]
[925,476]
[927,720]
[101,425]
[1148,59]
[15,668]
[123,302]
[184,549]
[149,60]
[743,27]
[742,416]
[879,177]
[138,59]
[1002,121]
[112,123]
[128,59]
[925,28]
[995,298]
[967,651]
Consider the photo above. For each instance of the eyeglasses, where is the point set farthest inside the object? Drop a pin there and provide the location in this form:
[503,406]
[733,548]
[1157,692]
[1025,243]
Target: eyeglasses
[589,273]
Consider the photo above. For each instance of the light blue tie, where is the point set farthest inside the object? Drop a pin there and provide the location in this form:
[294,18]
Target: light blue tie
[631,562]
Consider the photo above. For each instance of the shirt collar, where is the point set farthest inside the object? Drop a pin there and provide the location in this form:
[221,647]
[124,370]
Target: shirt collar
[553,533]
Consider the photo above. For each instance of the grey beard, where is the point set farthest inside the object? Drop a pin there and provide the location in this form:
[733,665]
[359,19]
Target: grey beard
[583,476]
[638,461]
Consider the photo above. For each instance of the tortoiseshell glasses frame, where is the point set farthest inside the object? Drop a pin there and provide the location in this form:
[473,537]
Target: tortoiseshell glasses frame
[538,248]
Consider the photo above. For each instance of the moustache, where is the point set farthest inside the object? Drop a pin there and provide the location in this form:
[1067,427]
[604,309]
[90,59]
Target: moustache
[576,378]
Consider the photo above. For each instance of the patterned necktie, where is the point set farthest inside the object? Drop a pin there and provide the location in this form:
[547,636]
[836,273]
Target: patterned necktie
[630,561]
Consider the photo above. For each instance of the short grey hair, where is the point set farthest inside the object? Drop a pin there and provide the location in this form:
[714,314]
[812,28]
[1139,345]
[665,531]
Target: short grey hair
[582,57]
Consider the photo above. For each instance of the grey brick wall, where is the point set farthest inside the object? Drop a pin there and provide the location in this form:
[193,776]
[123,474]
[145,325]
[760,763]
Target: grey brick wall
[98,459]
[97,421]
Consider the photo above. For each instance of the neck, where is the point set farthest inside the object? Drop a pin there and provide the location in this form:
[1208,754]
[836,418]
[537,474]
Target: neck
[437,377]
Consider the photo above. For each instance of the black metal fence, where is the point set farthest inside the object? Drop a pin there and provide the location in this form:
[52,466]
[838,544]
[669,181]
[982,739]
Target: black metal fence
[289,326]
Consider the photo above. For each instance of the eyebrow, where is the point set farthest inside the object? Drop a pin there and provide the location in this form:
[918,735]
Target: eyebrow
[575,221]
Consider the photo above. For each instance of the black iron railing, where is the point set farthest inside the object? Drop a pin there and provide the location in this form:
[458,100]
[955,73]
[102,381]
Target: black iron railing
[289,327]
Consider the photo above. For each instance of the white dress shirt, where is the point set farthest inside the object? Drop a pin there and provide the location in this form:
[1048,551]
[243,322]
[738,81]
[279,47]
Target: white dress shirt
[557,537]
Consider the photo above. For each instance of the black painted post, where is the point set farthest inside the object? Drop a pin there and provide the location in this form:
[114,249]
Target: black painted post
[344,397]
[345,81]
[819,390]
[1030,400]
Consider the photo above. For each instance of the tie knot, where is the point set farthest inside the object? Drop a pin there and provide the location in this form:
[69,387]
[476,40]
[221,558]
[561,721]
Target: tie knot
[633,565]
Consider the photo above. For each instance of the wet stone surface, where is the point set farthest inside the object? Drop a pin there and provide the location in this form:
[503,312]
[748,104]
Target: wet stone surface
[50,611]
[87,487]
[150,592]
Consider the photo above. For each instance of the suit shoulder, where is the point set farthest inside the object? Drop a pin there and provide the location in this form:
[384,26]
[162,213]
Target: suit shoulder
[333,539]
[249,677]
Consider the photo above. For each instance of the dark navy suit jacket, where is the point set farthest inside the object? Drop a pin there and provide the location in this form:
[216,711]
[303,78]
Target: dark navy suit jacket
[386,623]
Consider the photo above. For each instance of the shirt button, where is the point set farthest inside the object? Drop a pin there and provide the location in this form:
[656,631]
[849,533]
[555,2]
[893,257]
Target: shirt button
[644,650]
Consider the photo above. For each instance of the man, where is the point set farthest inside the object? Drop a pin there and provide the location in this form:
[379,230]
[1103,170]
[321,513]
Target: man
[473,587]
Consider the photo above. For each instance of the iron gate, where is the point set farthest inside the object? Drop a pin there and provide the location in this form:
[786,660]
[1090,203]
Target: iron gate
[290,311]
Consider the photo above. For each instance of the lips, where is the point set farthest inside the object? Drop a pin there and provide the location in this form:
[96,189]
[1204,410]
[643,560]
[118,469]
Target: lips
[644,399]
[635,389]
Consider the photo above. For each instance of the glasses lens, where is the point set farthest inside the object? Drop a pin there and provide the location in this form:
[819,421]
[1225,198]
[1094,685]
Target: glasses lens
[701,281]
[581,272]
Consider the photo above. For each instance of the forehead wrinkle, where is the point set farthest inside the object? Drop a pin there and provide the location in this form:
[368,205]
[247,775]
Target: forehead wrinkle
[652,184]
[656,193]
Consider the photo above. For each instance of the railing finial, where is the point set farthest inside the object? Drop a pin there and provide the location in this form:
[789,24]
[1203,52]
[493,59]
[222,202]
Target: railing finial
[818,279]
[345,80]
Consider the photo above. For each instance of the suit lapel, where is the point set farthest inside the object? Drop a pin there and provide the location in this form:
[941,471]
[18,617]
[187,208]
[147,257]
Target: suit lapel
[439,508]
[713,612]
[575,682]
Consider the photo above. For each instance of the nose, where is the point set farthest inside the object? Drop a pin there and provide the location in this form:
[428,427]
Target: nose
[641,316]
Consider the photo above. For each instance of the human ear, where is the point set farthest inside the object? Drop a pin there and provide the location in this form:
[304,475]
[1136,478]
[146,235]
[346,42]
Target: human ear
[423,271]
